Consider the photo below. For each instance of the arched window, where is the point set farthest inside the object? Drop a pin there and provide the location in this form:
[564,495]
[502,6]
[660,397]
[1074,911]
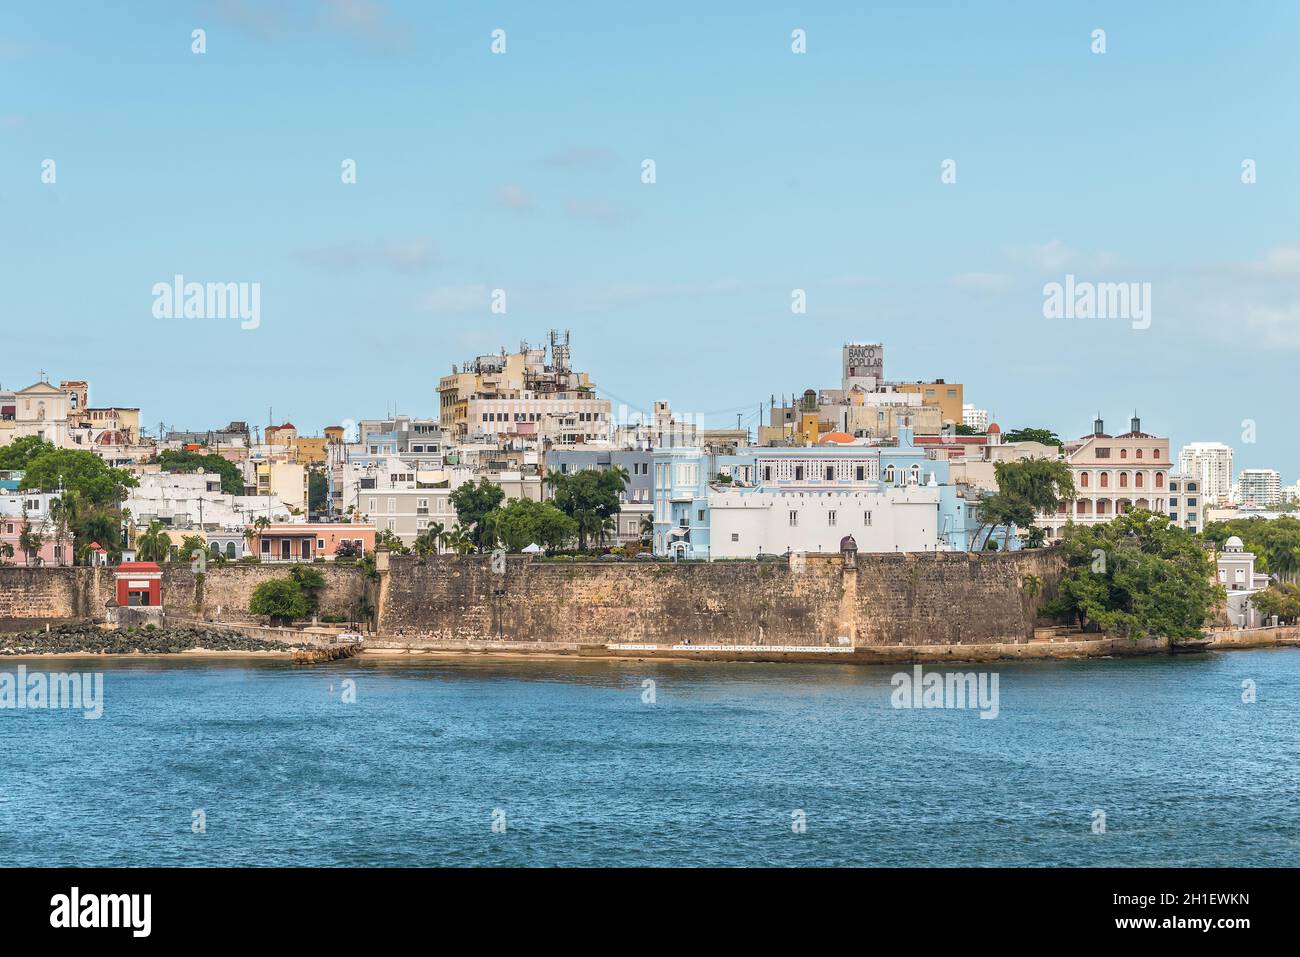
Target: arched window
[1123,453]
[1160,480]
[1139,453]
[1083,480]
[1123,480]
[916,474]
[230,550]
[1137,479]
[1105,480]
[889,473]
[215,548]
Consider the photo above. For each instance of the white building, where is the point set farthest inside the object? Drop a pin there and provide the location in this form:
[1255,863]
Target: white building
[973,418]
[1259,487]
[195,500]
[1211,463]
[1236,573]
[744,524]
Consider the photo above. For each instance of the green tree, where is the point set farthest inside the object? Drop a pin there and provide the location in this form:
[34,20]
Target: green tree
[392,541]
[591,498]
[1045,436]
[19,453]
[1025,488]
[523,522]
[1137,575]
[1276,542]
[30,541]
[154,544]
[1281,599]
[472,502]
[311,583]
[279,598]
[189,545]
[318,490]
[175,460]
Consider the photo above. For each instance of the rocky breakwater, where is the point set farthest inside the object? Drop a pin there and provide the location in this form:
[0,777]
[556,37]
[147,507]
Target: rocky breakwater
[89,639]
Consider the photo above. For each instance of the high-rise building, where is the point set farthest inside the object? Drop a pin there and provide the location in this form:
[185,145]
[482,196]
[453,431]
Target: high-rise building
[973,418]
[1259,487]
[1211,462]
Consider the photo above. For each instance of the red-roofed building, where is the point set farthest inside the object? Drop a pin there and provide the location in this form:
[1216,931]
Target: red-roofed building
[138,584]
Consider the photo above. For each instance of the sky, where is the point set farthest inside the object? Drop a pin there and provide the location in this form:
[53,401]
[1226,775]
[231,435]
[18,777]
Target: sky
[775,171]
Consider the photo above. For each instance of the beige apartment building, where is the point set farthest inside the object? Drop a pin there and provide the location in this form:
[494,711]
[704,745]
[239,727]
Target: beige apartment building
[945,396]
[523,396]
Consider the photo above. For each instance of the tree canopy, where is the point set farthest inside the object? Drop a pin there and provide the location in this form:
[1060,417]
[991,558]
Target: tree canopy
[1045,436]
[175,460]
[472,502]
[1276,542]
[19,453]
[590,497]
[280,598]
[1136,575]
[522,522]
[1025,489]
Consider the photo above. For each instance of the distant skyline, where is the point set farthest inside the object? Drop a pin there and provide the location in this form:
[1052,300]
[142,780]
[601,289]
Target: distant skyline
[775,172]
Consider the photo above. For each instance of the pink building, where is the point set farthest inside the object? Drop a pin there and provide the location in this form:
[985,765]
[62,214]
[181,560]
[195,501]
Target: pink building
[31,509]
[306,541]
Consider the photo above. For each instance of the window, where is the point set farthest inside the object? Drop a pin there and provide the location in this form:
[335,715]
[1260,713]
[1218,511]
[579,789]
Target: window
[1173,501]
[794,519]
[699,514]
[373,506]
[735,536]
[1139,453]
[1123,480]
[1191,503]
[830,473]
[1191,486]
[830,517]
[1083,480]
[860,473]
[1105,480]
[866,519]
[266,546]
[889,473]
[1123,453]
[798,473]
[320,543]
[392,506]
[1103,453]
[767,473]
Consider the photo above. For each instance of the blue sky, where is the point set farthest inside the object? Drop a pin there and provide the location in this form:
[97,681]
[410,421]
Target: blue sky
[775,172]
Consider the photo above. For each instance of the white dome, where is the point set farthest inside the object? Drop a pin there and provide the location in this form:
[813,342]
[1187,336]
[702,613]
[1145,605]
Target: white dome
[1233,544]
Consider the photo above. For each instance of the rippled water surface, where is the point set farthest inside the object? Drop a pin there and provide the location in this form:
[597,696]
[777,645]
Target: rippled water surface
[585,772]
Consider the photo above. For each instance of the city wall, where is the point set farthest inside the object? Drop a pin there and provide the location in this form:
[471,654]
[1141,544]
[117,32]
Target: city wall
[881,599]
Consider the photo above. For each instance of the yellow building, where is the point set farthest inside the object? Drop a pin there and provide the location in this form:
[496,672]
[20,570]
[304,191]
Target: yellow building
[287,480]
[310,449]
[946,396]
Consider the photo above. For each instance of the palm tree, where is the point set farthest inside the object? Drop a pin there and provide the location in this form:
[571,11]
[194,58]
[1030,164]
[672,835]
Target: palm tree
[647,528]
[155,544]
[6,552]
[459,540]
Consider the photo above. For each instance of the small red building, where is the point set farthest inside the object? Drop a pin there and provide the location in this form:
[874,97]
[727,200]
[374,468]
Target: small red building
[138,583]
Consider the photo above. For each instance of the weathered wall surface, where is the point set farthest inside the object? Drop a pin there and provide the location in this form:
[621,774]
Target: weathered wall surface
[952,598]
[886,600]
[36,593]
[50,593]
[227,589]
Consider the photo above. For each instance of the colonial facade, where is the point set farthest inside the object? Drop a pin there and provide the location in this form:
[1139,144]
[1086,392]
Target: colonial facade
[1113,474]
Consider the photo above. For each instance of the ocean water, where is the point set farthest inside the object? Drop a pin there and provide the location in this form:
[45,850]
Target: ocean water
[718,770]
